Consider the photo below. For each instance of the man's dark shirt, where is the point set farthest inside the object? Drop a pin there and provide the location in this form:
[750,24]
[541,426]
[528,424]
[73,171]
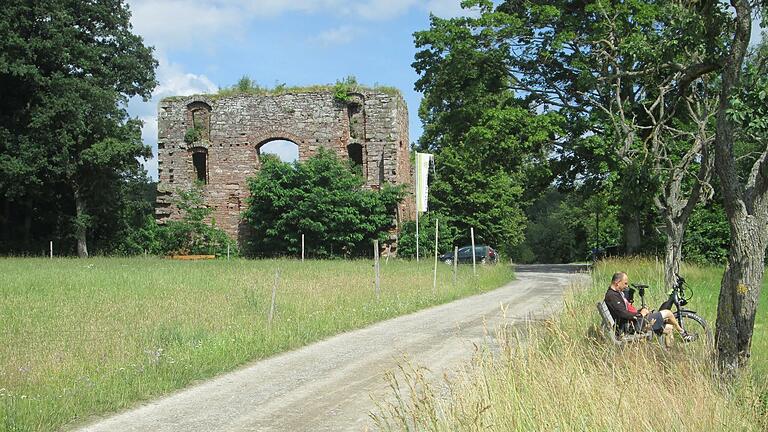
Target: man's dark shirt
[618,308]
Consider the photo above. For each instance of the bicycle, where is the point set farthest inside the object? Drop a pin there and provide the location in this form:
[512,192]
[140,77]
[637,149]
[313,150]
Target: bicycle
[689,320]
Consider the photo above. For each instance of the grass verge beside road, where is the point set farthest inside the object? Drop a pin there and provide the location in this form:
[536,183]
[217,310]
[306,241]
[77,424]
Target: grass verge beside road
[560,376]
[85,337]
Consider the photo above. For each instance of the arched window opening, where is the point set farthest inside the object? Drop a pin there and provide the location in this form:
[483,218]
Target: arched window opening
[355,153]
[199,118]
[200,163]
[286,151]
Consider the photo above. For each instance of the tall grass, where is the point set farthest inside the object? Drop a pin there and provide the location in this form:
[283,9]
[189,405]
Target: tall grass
[84,337]
[561,376]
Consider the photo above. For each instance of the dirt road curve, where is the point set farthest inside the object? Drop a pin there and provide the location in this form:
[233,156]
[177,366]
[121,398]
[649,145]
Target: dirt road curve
[326,386]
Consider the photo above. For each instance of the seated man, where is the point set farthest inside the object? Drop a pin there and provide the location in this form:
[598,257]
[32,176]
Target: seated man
[628,318]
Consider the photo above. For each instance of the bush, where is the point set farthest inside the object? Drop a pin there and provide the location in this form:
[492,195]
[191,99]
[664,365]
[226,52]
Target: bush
[321,198]
[141,240]
[193,234]
[190,235]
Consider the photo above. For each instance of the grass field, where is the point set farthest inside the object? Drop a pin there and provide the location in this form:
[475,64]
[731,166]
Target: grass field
[562,376]
[85,337]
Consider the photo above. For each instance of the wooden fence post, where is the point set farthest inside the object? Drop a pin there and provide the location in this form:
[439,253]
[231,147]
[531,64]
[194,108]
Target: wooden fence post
[434,276]
[376,268]
[455,262]
[417,235]
[474,263]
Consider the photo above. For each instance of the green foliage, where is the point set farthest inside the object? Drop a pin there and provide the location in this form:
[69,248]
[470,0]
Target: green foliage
[342,89]
[491,78]
[246,85]
[143,239]
[567,59]
[749,110]
[193,234]
[484,199]
[67,70]
[121,211]
[192,135]
[707,238]
[321,198]
[406,241]
[564,228]
[491,148]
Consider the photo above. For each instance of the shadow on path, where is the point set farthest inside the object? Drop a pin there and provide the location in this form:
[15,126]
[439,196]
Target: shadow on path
[552,268]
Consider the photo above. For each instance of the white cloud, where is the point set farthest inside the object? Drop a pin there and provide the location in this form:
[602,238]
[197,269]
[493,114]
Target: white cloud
[337,36]
[194,23]
[151,166]
[175,82]
[383,9]
[183,23]
[449,9]
[388,9]
[149,129]
[191,23]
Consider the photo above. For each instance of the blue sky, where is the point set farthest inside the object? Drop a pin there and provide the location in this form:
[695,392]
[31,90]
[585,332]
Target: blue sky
[206,44]
[203,45]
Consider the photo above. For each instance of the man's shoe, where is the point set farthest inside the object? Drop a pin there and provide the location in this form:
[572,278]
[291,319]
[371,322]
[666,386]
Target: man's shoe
[688,337]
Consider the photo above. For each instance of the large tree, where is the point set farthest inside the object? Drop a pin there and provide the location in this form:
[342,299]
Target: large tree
[67,69]
[742,115]
[630,72]
[492,149]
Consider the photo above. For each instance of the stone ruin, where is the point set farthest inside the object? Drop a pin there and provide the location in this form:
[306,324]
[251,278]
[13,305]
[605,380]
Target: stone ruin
[216,140]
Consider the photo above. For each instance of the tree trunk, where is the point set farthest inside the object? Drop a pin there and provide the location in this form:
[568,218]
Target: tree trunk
[632,235]
[747,211]
[673,254]
[80,223]
[739,294]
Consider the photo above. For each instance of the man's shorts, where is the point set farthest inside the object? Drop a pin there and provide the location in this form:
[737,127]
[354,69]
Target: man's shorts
[656,322]
[653,321]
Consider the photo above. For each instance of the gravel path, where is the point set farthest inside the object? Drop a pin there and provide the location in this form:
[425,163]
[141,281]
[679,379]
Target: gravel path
[327,386]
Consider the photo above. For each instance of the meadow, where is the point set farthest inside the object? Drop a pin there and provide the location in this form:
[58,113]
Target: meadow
[86,337]
[560,375]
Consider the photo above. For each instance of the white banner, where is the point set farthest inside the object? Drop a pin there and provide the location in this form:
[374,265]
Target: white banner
[422,173]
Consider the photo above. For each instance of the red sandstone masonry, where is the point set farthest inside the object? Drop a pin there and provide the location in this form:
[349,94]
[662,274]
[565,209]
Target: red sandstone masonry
[232,129]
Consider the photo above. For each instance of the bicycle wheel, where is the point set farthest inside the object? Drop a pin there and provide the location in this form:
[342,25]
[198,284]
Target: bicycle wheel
[696,326]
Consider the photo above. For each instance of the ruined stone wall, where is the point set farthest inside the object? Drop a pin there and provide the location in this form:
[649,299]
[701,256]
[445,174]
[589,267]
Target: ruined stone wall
[225,133]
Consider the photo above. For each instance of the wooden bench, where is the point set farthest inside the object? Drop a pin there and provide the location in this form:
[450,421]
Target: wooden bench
[608,327]
[192,257]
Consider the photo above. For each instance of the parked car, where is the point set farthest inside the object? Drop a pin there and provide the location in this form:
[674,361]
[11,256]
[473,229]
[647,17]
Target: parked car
[483,254]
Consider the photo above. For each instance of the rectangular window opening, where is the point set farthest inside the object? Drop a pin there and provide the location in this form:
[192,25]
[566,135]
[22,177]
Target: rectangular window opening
[198,160]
